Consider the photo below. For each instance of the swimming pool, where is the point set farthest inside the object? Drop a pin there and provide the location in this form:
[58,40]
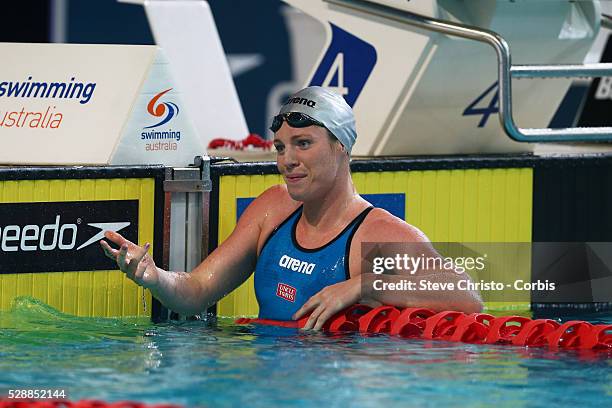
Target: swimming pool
[200,364]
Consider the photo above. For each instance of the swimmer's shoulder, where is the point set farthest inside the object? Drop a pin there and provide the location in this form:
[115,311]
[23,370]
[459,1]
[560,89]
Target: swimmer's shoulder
[382,226]
[272,207]
[277,198]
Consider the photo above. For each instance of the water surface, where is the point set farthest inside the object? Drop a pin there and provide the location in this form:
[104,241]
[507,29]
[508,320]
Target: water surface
[199,364]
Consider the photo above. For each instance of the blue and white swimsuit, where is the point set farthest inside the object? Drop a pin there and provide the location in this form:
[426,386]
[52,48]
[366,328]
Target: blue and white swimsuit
[287,275]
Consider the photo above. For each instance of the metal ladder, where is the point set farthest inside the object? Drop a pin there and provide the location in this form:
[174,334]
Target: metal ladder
[506,71]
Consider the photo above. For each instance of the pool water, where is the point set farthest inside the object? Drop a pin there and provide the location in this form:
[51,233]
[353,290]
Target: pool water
[200,364]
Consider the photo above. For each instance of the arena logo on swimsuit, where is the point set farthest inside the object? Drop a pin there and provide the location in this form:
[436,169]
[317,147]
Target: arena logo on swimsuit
[296,265]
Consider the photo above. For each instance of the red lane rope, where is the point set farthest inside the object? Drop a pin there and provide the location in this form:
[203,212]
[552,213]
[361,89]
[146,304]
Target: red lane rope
[480,328]
[16,403]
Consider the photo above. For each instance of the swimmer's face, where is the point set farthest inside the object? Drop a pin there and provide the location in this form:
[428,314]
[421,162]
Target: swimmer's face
[308,159]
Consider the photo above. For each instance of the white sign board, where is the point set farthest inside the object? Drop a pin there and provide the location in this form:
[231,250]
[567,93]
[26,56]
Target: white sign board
[91,104]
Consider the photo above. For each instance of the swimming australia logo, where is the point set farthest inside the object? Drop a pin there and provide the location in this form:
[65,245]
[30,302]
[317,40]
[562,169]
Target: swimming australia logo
[163,139]
[296,265]
[165,110]
[302,101]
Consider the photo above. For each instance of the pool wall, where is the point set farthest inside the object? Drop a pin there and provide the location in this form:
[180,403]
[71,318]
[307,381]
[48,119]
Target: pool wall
[74,198]
[186,212]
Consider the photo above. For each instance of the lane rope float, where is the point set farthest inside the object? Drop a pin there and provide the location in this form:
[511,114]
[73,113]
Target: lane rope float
[476,328]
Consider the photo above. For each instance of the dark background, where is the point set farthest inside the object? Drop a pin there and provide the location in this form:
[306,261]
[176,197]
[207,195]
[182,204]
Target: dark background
[245,27]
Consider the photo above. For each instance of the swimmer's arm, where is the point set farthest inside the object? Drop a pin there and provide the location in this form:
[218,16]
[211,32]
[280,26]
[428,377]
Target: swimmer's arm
[360,287]
[419,295]
[389,229]
[221,272]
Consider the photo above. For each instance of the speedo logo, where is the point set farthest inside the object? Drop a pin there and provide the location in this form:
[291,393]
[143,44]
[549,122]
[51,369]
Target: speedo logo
[296,265]
[301,101]
[48,237]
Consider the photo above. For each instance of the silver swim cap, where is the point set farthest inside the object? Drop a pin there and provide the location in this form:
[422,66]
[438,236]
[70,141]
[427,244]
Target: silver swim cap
[327,107]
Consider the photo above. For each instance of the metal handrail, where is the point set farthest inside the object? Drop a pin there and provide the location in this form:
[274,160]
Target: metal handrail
[505,71]
[606,21]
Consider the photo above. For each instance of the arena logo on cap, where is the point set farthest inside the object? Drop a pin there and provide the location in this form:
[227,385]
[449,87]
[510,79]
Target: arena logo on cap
[302,101]
[166,139]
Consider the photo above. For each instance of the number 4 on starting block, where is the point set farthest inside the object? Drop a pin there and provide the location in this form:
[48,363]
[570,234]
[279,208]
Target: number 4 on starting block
[488,110]
[346,65]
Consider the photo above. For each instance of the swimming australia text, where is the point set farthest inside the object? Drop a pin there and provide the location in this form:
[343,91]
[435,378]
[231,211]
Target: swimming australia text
[59,90]
[155,135]
[296,265]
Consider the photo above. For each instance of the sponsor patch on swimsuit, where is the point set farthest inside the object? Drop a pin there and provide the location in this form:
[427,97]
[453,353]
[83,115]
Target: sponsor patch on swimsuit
[286,292]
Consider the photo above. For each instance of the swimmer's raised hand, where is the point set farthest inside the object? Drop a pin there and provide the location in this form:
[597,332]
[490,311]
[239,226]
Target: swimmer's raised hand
[133,260]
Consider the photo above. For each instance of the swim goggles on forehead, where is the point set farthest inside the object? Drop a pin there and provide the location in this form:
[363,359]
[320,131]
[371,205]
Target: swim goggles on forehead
[295,120]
